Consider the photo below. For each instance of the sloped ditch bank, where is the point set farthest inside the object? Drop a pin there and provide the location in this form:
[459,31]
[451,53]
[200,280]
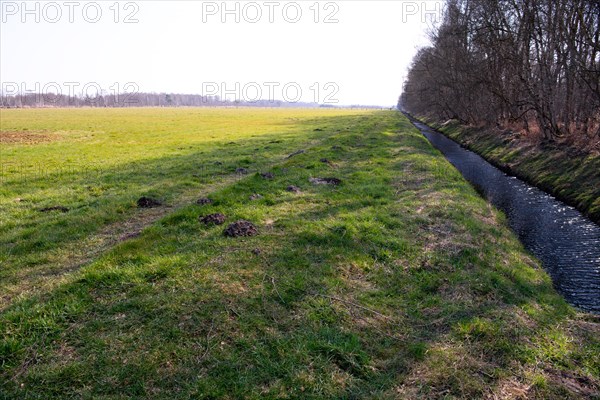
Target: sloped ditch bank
[566,242]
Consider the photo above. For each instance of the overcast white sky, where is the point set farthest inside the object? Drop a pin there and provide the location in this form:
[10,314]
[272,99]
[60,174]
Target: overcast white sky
[185,47]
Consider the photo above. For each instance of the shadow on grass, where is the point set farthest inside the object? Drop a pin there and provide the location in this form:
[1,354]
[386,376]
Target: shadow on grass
[107,195]
[343,299]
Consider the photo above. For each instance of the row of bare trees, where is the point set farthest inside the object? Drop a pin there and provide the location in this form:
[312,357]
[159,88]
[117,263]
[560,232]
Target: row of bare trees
[534,64]
[35,100]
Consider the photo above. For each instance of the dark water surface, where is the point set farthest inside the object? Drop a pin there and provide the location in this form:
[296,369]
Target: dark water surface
[567,243]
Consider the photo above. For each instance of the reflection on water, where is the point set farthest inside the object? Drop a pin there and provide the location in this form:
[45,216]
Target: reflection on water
[567,243]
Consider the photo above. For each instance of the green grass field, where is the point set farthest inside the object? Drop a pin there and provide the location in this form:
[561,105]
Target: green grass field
[400,282]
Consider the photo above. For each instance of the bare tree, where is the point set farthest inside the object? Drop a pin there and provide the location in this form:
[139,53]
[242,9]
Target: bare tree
[500,62]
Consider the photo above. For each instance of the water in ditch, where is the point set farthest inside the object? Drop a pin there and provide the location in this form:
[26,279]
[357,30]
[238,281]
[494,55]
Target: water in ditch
[566,242]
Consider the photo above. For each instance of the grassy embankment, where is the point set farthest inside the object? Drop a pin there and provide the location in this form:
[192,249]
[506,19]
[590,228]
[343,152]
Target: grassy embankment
[568,174]
[398,283]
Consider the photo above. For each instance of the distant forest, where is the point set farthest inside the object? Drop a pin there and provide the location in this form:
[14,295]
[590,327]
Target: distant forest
[35,100]
[531,66]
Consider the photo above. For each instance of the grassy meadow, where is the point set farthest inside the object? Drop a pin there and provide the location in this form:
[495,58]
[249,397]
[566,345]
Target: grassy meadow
[399,282]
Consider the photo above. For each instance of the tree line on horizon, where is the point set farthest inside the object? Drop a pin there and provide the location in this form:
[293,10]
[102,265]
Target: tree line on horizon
[138,99]
[529,65]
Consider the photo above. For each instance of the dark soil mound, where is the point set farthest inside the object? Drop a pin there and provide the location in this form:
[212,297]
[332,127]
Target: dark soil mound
[325,181]
[267,175]
[241,171]
[55,208]
[148,202]
[241,228]
[293,189]
[203,201]
[214,219]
